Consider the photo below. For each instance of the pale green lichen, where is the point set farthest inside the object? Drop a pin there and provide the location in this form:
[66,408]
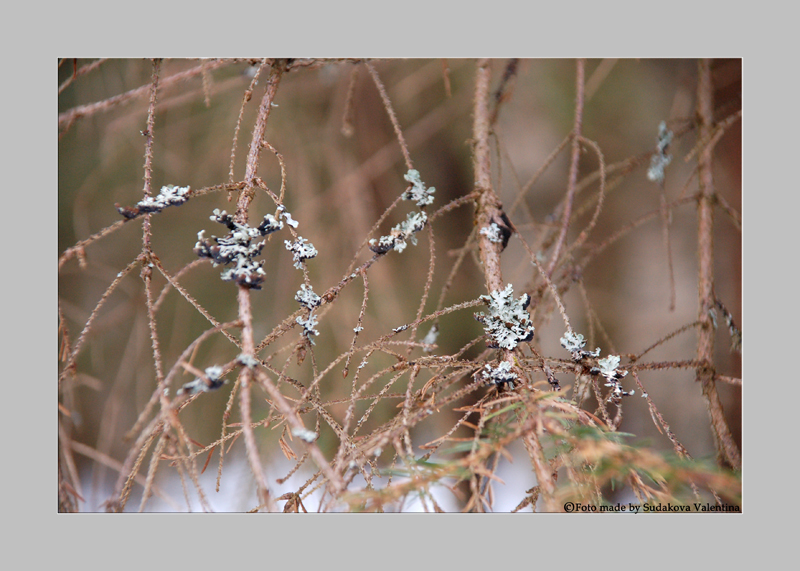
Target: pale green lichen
[609,368]
[493,233]
[212,381]
[308,325]
[301,250]
[574,343]
[500,375]
[306,297]
[401,234]
[418,193]
[508,323]
[660,159]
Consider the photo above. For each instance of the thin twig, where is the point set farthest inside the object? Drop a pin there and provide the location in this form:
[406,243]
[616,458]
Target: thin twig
[573,166]
[81,71]
[395,123]
[68,118]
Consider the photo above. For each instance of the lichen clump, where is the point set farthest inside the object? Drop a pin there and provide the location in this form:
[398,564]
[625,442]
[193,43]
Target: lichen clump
[237,248]
[507,323]
[574,343]
[418,193]
[660,159]
[169,195]
[301,250]
[609,368]
[401,234]
[500,375]
[212,382]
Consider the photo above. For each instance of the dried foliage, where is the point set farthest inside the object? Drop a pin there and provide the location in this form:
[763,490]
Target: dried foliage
[427,271]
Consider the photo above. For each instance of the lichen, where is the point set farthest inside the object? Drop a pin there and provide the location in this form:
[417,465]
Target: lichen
[304,434]
[301,250]
[247,361]
[609,368]
[400,234]
[308,325]
[493,233]
[418,193]
[508,323]
[287,216]
[500,375]
[431,337]
[660,158]
[237,248]
[169,195]
[574,343]
[306,297]
[212,381]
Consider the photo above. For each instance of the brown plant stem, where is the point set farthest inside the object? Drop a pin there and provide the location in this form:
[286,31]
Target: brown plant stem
[67,118]
[727,451]
[147,272]
[248,94]
[392,116]
[257,143]
[245,380]
[573,167]
[245,312]
[293,420]
[489,207]
[543,470]
[665,223]
[81,71]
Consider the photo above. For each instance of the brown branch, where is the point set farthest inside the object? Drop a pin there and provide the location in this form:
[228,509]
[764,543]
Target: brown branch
[116,465]
[573,167]
[245,98]
[245,379]
[67,118]
[489,208]
[626,229]
[658,420]
[600,196]
[79,249]
[245,312]
[293,420]
[81,71]
[395,123]
[727,450]
[665,222]
[257,143]
[347,117]
[148,133]
[69,366]
[147,269]
[544,473]
[547,162]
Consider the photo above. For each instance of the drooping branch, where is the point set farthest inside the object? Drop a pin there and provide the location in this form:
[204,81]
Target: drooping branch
[573,167]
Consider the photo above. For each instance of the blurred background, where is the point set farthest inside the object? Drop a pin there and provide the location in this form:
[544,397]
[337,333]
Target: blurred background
[344,167]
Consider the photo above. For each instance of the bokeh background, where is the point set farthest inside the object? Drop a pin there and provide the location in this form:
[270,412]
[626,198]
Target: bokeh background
[338,185]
